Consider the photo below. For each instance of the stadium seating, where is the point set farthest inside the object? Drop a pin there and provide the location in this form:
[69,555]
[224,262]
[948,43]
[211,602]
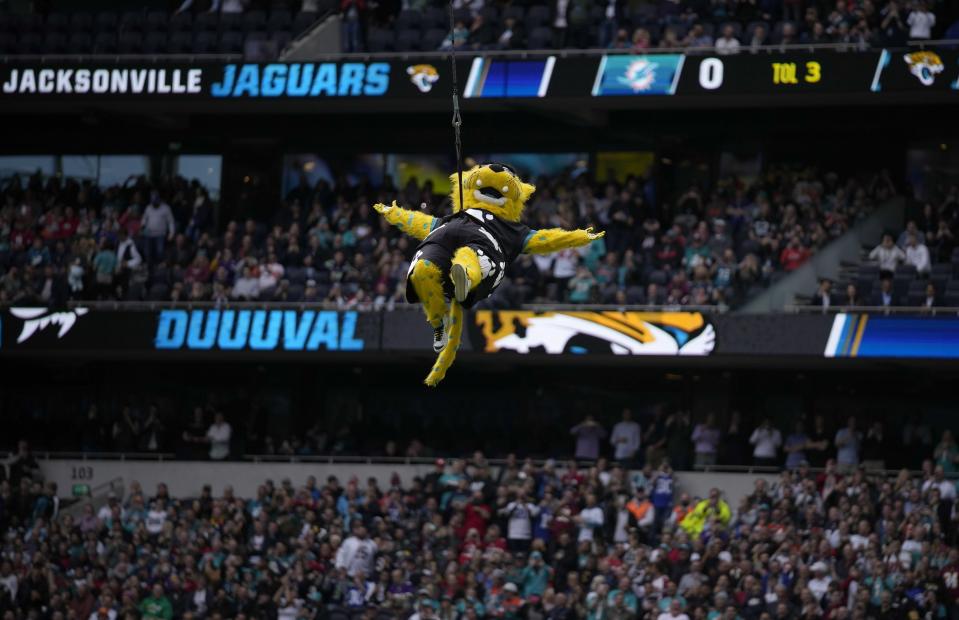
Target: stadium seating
[536,17]
[690,260]
[147,31]
[513,539]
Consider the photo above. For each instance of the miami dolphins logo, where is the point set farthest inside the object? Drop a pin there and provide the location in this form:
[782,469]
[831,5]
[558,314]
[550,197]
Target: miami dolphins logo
[618,333]
[639,75]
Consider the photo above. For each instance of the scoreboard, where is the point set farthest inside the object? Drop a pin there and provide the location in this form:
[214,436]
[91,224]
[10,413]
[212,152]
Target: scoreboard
[423,82]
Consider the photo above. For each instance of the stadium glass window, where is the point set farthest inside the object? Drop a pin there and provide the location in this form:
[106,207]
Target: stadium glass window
[308,166]
[312,168]
[26,165]
[618,165]
[116,169]
[207,169]
[531,165]
[80,166]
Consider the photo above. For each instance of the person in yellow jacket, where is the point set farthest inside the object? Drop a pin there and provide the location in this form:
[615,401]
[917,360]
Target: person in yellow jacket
[714,509]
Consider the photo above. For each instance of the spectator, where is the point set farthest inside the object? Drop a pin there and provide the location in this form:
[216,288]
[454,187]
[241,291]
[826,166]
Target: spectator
[875,447]
[104,266]
[758,40]
[247,287]
[612,13]
[712,513]
[590,520]
[698,37]
[473,6]
[766,441]
[157,227]
[706,438]
[157,606]
[355,556]
[641,40]
[852,296]
[674,612]
[921,21]
[588,433]
[535,577]
[735,443]
[581,286]
[480,37]
[678,445]
[520,514]
[656,439]
[794,255]
[351,25]
[512,36]
[218,436]
[892,25]
[885,295]
[727,43]
[946,453]
[848,442]
[795,447]
[823,297]
[917,255]
[128,259]
[620,40]
[930,300]
[23,465]
[625,439]
[642,513]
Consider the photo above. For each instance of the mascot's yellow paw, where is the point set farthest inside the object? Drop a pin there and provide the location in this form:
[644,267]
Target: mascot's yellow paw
[593,236]
[383,209]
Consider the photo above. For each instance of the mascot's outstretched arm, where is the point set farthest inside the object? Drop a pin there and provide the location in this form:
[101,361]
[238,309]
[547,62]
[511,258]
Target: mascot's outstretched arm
[414,223]
[551,240]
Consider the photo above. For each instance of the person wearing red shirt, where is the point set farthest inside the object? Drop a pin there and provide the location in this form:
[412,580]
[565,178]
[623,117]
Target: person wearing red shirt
[572,475]
[477,514]
[950,583]
[793,255]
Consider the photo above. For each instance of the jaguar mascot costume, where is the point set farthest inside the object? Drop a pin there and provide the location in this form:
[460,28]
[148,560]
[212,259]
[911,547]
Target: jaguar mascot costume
[463,257]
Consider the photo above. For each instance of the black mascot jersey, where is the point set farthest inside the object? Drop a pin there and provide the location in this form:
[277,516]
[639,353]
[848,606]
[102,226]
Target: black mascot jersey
[497,243]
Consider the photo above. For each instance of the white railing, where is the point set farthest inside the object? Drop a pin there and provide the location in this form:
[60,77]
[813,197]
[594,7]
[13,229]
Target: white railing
[519,54]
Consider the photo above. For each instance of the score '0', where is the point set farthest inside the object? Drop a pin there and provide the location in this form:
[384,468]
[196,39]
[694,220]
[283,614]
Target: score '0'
[711,73]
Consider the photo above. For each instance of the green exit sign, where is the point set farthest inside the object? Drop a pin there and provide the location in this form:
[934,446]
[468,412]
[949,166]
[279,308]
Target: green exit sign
[81,490]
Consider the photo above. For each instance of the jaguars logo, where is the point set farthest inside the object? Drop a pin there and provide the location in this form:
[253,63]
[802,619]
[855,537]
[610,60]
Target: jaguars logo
[925,66]
[617,333]
[423,77]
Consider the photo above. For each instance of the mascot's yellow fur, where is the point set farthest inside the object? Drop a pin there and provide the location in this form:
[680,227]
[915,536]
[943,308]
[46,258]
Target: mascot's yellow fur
[464,256]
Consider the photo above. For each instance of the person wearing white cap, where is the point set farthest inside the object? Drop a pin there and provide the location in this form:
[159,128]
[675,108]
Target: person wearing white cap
[675,612]
[819,584]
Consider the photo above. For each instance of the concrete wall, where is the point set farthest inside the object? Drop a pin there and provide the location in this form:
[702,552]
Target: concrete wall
[186,478]
[322,40]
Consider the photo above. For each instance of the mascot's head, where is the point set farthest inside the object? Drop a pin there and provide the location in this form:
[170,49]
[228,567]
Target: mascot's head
[494,188]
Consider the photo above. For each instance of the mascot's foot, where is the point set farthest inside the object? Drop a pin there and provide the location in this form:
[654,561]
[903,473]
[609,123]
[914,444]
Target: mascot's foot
[441,335]
[461,282]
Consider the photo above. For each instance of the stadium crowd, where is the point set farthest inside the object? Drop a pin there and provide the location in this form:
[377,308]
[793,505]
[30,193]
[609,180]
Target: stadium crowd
[524,540]
[726,26]
[62,240]
[918,267]
[261,29]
